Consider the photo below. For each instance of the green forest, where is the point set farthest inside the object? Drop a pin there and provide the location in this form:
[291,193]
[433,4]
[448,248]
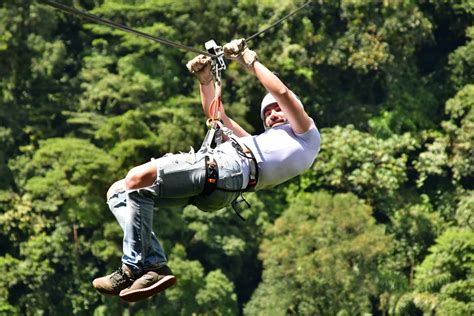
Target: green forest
[382,223]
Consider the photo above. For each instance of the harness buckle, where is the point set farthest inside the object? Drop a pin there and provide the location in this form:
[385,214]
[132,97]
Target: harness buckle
[218,63]
[212,175]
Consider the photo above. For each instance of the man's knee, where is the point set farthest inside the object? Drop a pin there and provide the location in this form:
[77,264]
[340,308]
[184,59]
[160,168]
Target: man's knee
[116,187]
[133,178]
[140,177]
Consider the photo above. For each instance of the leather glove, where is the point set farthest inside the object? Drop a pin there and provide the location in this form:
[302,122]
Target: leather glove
[237,50]
[201,67]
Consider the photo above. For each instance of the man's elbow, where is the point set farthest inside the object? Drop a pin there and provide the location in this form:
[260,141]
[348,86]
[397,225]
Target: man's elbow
[283,93]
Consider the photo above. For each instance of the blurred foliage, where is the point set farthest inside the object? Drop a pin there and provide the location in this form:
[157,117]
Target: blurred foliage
[452,151]
[359,162]
[320,258]
[444,280]
[381,224]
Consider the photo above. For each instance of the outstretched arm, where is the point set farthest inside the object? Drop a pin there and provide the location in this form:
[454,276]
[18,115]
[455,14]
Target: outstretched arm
[297,117]
[201,67]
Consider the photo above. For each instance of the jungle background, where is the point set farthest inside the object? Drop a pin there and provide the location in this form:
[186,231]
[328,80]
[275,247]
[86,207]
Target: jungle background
[380,225]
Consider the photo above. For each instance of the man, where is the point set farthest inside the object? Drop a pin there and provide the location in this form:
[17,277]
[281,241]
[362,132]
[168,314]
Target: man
[288,147]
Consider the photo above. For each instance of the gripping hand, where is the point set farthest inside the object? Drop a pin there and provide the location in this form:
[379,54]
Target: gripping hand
[237,50]
[201,67]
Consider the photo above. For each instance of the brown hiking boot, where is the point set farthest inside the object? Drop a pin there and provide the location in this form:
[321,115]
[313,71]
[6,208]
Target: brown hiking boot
[151,283]
[113,283]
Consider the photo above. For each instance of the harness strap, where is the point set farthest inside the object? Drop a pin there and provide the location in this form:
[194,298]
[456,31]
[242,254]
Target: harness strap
[247,153]
[212,170]
[213,137]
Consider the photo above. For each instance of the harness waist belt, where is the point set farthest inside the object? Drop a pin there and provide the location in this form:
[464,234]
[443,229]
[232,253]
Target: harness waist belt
[253,177]
[212,170]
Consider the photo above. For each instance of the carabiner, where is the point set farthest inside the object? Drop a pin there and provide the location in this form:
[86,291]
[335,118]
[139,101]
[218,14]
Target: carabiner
[218,64]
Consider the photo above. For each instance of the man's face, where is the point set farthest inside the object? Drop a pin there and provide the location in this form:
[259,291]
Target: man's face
[274,116]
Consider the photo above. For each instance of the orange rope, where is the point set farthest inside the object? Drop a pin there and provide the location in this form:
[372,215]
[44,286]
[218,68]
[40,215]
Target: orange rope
[214,109]
[214,112]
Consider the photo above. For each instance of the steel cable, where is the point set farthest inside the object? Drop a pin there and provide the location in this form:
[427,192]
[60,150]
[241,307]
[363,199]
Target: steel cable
[103,21]
[112,24]
[278,21]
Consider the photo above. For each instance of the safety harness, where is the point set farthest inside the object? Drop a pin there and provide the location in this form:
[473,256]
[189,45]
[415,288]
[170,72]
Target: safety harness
[217,134]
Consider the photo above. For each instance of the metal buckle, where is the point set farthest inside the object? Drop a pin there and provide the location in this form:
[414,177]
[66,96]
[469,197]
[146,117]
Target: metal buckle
[218,63]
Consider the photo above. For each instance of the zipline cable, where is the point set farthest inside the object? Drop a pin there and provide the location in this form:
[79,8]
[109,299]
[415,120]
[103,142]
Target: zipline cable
[103,21]
[278,21]
[124,28]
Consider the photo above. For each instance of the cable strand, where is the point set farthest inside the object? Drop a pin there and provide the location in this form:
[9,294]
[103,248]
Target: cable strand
[278,21]
[103,21]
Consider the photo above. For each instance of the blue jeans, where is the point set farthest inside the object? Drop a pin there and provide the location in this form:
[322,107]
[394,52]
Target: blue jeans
[180,182]
[126,219]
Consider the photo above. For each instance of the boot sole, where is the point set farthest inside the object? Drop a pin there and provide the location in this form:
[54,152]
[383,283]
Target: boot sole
[141,294]
[105,292]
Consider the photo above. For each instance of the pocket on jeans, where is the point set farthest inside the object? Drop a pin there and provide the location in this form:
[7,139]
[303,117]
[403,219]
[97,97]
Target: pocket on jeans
[230,174]
[229,179]
[178,178]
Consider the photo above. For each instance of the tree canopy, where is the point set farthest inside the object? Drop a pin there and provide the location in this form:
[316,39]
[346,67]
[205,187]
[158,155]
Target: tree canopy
[381,224]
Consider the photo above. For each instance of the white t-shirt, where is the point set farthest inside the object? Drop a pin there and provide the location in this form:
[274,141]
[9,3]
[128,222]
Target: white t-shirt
[282,154]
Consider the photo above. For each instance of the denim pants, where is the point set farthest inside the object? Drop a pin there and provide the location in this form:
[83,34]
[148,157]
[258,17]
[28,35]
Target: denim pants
[180,182]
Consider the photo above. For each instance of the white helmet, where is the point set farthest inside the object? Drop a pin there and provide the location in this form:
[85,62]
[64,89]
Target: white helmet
[269,99]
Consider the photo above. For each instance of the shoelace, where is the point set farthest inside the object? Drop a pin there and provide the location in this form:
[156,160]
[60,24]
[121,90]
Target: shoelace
[119,276]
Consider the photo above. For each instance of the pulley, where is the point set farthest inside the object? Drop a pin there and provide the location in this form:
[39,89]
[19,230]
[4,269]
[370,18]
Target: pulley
[218,63]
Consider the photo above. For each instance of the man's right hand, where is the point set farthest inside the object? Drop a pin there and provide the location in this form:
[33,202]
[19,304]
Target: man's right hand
[201,67]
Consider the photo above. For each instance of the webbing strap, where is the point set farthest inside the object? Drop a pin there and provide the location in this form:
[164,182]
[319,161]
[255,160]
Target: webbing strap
[214,135]
[247,153]
[214,108]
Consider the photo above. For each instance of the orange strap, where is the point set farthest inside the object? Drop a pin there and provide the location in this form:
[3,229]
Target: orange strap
[215,104]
